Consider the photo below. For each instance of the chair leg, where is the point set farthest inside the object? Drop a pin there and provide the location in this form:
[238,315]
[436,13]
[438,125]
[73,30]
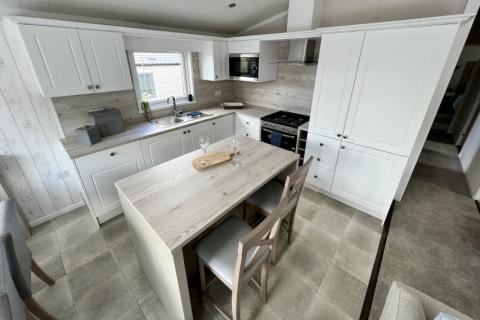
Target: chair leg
[264,282]
[273,256]
[41,274]
[35,309]
[236,303]
[30,316]
[291,219]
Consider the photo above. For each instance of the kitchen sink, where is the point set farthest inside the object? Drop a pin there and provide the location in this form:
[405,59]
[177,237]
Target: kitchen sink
[172,120]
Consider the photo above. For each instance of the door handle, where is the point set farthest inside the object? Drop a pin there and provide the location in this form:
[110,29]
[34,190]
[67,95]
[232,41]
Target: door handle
[342,147]
[97,86]
[287,136]
[90,87]
[321,144]
[318,159]
[345,136]
[339,135]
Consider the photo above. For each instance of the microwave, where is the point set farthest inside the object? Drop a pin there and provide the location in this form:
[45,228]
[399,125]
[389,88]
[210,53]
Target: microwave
[244,66]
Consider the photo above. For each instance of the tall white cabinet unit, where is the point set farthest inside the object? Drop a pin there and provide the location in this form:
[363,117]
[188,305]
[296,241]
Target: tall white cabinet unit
[214,64]
[69,61]
[372,92]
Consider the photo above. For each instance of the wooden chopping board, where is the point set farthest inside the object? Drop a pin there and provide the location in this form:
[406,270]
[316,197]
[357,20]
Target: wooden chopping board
[211,160]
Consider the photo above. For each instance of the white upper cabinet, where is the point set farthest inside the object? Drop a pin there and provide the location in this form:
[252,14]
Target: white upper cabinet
[107,60]
[337,66]
[214,61]
[398,72]
[69,61]
[58,60]
[368,177]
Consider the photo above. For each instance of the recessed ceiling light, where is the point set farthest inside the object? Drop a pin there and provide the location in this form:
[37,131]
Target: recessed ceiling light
[232,5]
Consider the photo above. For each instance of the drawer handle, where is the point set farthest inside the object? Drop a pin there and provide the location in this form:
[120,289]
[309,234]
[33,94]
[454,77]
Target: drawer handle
[213,123]
[318,159]
[315,176]
[339,135]
[248,123]
[113,154]
[188,131]
[246,134]
[321,144]
[342,147]
[345,136]
[97,86]
[90,87]
[184,132]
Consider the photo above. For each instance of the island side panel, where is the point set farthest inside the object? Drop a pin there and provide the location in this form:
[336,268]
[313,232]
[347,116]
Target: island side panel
[165,270]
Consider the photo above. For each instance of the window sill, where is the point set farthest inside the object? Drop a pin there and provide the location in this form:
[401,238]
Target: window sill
[167,106]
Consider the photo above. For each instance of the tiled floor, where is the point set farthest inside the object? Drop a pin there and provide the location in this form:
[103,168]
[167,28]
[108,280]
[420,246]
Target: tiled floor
[434,239]
[322,275]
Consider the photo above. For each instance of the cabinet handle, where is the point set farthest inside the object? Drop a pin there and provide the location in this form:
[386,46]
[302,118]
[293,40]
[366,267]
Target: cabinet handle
[246,134]
[342,147]
[184,132]
[113,154]
[321,144]
[90,87]
[97,86]
[188,131]
[318,159]
[216,77]
[345,136]
[213,123]
[315,176]
[339,135]
[248,123]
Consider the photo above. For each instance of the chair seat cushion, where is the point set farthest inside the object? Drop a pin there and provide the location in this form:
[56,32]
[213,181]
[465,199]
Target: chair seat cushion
[267,197]
[219,249]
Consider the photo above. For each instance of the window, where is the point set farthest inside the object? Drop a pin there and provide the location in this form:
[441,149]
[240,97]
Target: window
[159,75]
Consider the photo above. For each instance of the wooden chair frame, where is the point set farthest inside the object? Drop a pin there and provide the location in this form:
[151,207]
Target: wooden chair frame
[295,183]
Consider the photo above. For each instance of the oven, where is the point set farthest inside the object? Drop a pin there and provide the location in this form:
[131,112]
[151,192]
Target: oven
[244,66]
[276,135]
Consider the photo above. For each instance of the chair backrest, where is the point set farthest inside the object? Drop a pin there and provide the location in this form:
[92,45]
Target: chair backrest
[14,248]
[257,243]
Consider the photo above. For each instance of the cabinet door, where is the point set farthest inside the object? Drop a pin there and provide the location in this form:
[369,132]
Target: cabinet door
[397,75]
[191,136]
[320,177]
[162,148]
[368,177]
[337,66]
[107,60]
[58,60]
[101,170]
[222,128]
[221,63]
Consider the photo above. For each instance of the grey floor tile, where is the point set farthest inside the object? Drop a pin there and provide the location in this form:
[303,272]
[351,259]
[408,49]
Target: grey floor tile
[356,261]
[92,274]
[289,296]
[327,214]
[44,246]
[56,299]
[343,291]
[361,235]
[109,301]
[321,309]
[136,279]
[41,229]
[68,235]
[70,217]
[123,251]
[84,251]
[324,242]
[114,229]
[152,308]
[135,313]
[53,266]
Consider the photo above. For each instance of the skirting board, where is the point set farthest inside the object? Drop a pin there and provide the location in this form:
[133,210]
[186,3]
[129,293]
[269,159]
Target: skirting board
[55,214]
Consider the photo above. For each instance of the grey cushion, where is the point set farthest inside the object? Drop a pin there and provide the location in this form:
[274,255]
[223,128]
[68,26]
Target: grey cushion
[402,305]
[219,249]
[267,197]
[16,251]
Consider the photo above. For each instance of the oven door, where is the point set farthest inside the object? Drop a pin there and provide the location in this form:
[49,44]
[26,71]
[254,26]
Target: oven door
[287,141]
[244,66]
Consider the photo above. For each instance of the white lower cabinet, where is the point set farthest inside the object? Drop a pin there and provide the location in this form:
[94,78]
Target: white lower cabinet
[162,148]
[222,128]
[323,150]
[368,177]
[247,126]
[191,136]
[320,177]
[99,172]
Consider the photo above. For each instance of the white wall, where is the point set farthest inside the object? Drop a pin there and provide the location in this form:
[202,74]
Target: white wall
[470,159]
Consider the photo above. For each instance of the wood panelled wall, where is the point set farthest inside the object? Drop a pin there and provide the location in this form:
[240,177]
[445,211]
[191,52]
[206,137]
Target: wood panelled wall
[33,163]
[73,111]
[292,91]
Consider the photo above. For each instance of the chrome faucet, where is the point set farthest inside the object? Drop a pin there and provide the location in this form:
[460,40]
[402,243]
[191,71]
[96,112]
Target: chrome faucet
[175,112]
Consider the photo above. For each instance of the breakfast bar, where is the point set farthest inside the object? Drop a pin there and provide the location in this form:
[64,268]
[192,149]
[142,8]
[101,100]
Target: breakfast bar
[170,205]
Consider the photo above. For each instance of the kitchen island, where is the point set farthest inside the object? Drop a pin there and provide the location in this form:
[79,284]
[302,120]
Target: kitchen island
[170,205]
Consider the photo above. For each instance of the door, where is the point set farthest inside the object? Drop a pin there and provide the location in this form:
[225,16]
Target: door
[220,56]
[337,66]
[368,177]
[397,75]
[162,148]
[101,170]
[221,128]
[58,60]
[106,59]
[191,136]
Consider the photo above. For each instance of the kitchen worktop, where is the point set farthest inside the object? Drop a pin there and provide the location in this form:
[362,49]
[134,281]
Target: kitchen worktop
[145,129]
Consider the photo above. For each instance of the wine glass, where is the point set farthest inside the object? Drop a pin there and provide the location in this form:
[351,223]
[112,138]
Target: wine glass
[204,143]
[235,152]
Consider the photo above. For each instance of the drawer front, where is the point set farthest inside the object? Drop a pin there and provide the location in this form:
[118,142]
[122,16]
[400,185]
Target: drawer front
[323,150]
[109,158]
[247,126]
[320,177]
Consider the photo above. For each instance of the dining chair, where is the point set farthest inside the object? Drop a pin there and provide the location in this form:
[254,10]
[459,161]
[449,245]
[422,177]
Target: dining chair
[235,252]
[265,199]
[17,258]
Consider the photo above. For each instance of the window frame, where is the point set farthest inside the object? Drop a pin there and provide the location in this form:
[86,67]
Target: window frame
[187,76]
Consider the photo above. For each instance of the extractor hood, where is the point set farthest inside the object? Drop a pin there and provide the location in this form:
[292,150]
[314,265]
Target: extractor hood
[302,51]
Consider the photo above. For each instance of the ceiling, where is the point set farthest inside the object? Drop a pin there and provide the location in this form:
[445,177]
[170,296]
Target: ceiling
[202,15]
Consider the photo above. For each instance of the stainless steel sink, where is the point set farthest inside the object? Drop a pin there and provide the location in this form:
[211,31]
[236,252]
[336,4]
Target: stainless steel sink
[172,120]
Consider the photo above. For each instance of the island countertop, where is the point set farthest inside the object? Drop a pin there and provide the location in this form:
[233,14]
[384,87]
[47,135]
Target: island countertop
[178,202]
[145,129]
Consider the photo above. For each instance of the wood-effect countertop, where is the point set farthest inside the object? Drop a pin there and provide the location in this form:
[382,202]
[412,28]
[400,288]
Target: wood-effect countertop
[179,202]
[145,129]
